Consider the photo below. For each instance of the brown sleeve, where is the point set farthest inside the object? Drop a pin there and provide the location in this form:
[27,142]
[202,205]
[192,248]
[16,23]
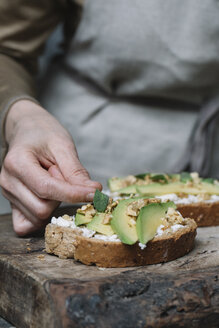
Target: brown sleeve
[24,28]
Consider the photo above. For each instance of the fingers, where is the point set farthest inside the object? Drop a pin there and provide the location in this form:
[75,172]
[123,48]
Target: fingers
[71,168]
[26,219]
[41,168]
[34,209]
[22,226]
[41,183]
[47,187]
[55,172]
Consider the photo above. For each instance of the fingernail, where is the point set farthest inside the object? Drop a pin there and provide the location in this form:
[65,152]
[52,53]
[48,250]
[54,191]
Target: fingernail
[90,197]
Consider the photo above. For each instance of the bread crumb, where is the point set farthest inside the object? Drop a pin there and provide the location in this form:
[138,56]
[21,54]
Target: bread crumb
[41,257]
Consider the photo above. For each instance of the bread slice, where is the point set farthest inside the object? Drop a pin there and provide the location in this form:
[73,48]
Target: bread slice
[205,214]
[202,207]
[67,242]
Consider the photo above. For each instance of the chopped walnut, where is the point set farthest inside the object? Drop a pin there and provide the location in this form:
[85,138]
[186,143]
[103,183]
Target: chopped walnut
[132,212]
[131,179]
[174,179]
[154,200]
[107,218]
[147,179]
[189,184]
[171,211]
[67,217]
[134,207]
[172,217]
[88,210]
[132,222]
[112,204]
[195,177]
[141,182]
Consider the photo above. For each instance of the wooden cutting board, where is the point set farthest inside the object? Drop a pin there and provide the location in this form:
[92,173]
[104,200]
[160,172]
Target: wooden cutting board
[40,290]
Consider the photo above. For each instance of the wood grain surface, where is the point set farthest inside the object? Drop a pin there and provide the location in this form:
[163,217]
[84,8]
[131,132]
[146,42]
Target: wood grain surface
[40,290]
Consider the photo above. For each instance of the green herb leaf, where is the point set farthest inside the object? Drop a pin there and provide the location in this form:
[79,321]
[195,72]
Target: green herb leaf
[100,201]
[185,176]
[159,177]
[142,175]
[208,180]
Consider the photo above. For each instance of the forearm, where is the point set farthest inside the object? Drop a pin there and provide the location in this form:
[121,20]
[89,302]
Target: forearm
[24,29]
[15,84]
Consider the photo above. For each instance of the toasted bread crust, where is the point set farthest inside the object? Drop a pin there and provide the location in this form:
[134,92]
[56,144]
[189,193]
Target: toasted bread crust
[67,243]
[205,214]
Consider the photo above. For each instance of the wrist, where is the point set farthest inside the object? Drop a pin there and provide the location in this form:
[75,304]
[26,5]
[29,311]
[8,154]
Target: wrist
[17,112]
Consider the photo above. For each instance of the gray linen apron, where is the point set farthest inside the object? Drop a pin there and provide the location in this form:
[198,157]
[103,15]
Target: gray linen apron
[136,85]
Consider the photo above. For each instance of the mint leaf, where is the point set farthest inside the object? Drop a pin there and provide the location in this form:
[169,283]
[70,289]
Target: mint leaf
[159,177]
[100,201]
[208,180]
[142,175]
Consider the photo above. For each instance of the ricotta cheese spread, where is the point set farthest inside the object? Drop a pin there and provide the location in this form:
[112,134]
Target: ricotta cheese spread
[187,200]
[70,223]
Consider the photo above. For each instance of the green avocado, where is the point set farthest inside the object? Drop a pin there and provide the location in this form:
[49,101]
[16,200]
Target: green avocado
[132,189]
[210,188]
[149,219]
[185,177]
[167,205]
[97,225]
[81,219]
[175,176]
[114,184]
[177,187]
[120,223]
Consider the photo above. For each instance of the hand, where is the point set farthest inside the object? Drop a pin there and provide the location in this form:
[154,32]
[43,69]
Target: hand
[41,168]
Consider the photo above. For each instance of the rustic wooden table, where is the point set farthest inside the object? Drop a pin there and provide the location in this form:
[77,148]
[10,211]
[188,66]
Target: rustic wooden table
[40,290]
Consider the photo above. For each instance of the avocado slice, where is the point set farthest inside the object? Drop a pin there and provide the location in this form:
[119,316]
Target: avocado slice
[177,187]
[120,223]
[114,184]
[167,205]
[132,189]
[97,225]
[175,176]
[149,219]
[185,177]
[210,188]
[81,219]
